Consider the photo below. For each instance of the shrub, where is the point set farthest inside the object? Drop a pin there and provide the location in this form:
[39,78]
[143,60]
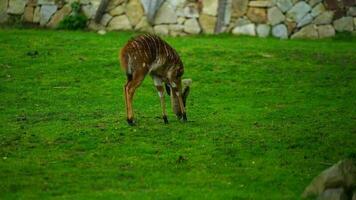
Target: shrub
[76,20]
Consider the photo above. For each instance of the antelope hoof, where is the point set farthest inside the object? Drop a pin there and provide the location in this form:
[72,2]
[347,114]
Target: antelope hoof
[131,122]
[184,117]
[165,119]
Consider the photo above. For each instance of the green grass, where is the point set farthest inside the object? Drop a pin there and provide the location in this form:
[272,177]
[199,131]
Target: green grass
[265,117]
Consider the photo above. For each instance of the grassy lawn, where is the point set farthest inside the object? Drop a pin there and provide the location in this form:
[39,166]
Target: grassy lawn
[265,117]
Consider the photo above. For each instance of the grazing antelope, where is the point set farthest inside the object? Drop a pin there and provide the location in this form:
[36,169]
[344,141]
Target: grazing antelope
[149,54]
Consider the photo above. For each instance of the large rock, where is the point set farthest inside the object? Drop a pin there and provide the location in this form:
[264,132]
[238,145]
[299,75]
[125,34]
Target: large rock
[317,10]
[306,20]
[342,174]
[263,30]
[120,23]
[58,16]
[161,29]
[344,24]
[290,26]
[16,6]
[324,18]
[89,10]
[37,14]
[247,29]
[28,14]
[298,11]
[114,3]
[210,7]
[314,2]
[280,31]
[191,26]
[333,194]
[275,16]
[134,11]
[258,15]
[46,13]
[207,23]
[326,31]
[166,14]
[32,3]
[117,11]
[105,19]
[238,7]
[308,32]
[3,6]
[144,26]
[284,5]
[191,11]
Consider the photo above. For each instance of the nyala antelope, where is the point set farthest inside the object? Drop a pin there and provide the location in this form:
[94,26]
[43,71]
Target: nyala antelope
[149,54]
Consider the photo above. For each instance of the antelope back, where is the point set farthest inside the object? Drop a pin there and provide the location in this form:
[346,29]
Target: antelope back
[150,52]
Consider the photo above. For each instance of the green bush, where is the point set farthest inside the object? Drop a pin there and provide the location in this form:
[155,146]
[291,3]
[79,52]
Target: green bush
[74,21]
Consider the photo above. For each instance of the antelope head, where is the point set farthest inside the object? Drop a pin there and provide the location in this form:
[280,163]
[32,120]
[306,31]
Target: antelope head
[184,87]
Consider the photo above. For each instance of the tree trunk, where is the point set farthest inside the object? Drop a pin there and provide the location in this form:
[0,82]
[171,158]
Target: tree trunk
[101,10]
[221,16]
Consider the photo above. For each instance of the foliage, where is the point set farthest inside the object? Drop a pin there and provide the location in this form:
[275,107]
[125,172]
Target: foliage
[265,117]
[75,21]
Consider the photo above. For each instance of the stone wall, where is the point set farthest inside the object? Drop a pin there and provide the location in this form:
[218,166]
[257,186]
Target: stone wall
[279,18]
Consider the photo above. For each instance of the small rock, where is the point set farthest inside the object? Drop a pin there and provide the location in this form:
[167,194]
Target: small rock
[258,15]
[290,26]
[324,18]
[134,11]
[314,2]
[210,7]
[192,26]
[306,20]
[89,10]
[165,15]
[275,16]
[263,30]
[176,27]
[161,29]
[326,31]
[207,23]
[28,14]
[117,11]
[16,7]
[37,15]
[280,31]
[46,13]
[191,12]
[298,11]
[238,8]
[120,23]
[317,10]
[333,194]
[284,5]
[105,19]
[58,16]
[344,24]
[144,26]
[260,4]
[309,32]
[248,29]
[181,20]
[352,11]
[102,32]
